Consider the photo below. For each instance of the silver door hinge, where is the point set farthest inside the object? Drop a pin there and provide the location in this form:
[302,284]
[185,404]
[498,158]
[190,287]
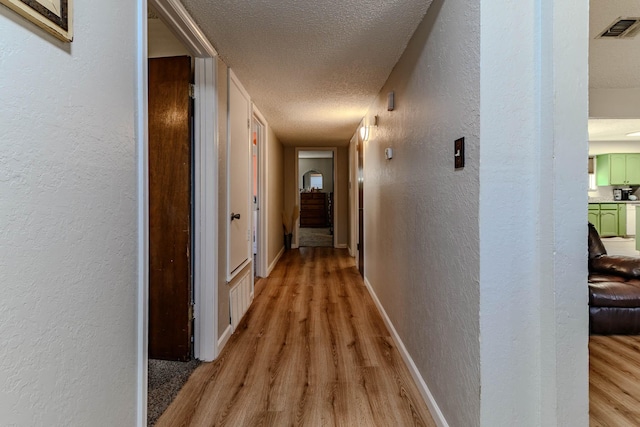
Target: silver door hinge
[248,124]
[192,314]
[192,91]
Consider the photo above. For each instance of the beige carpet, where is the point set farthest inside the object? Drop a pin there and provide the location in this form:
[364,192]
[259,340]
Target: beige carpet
[317,237]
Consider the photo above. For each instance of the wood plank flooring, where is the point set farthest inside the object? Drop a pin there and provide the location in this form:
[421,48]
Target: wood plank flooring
[312,350]
[614,381]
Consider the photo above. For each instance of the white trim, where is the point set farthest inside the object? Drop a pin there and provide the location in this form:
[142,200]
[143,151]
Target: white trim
[341,245]
[206,210]
[184,27]
[435,411]
[142,145]
[263,193]
[224,338]
[238,270]
[275,261]
[296,226]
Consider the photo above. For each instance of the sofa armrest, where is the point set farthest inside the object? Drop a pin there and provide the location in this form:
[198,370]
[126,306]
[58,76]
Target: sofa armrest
[620,265]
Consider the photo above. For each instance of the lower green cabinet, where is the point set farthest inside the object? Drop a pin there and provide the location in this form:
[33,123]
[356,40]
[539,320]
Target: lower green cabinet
[622,219]
[608,222]
[610,219]
[594,215]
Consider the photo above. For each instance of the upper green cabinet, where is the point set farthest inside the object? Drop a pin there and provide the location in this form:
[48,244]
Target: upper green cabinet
[618,169]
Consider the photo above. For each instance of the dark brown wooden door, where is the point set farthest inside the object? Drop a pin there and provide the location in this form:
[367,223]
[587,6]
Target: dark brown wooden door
[169,208]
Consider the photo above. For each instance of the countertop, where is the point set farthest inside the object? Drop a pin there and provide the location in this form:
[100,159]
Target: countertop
[606,200]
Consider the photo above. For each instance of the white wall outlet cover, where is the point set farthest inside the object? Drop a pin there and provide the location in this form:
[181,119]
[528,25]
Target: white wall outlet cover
[388,153]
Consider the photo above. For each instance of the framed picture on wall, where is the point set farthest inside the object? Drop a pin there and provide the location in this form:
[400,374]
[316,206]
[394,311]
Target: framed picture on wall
[55,16]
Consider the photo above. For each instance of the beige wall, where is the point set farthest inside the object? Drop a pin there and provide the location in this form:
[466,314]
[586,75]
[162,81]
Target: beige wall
[162,42]
[275,185]
[342,180]
[223,289]
[421,232]
[290,181]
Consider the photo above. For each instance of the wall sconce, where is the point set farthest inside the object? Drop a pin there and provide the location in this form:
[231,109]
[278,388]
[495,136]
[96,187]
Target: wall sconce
[364,133]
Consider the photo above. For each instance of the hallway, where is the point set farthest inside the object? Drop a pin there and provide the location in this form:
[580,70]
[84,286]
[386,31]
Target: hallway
[311,350]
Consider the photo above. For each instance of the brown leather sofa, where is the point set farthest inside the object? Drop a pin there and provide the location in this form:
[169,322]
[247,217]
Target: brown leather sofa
[614,290]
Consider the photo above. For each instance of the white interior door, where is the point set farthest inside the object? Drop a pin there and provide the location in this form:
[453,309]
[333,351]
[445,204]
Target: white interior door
[239,215]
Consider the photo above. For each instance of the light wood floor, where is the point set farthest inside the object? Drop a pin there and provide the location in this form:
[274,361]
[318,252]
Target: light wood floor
[312,350]
[614,381]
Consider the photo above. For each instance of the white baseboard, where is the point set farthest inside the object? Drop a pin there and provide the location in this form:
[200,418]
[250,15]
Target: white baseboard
[224,338]
[438,417]
[275,261]
[341,246]
[294,246]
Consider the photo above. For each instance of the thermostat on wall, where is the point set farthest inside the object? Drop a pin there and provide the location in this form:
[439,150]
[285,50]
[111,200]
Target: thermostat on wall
[388,153]
[391,101]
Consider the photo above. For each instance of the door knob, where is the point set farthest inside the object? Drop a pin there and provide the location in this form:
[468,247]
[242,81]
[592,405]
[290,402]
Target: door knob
[234,216]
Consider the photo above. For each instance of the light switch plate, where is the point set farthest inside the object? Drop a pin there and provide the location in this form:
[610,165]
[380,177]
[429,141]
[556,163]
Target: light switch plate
[458,153]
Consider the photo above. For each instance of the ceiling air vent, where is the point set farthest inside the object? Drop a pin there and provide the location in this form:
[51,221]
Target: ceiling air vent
[621,28]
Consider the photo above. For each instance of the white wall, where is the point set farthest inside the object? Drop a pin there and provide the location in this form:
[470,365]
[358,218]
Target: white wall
[421,226]
[533,182]
[68,220]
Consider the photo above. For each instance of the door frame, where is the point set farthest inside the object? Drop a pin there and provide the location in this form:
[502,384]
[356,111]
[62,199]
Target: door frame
[175,16]
[296,226]
[263,196]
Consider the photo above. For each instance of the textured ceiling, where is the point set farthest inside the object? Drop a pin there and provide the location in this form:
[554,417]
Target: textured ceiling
[613,63]
[311,67]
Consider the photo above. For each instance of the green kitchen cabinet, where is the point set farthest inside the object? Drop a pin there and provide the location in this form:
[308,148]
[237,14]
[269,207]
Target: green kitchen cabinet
[608,219]
[618,169]
[622,219]
[633,169]
[594,215]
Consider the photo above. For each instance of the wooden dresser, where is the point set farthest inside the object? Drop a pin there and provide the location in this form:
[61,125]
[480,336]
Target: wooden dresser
[313,209]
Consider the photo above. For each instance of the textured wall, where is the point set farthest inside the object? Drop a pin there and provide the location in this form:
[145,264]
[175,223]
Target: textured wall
[68,220]
[534,302]
[275,182]
[421,215]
